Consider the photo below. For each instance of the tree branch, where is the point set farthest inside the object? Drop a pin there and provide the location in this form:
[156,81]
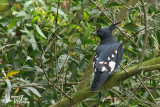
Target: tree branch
[153,64]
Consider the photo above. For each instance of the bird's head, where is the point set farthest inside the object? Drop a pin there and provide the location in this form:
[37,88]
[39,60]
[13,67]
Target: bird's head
[105,32]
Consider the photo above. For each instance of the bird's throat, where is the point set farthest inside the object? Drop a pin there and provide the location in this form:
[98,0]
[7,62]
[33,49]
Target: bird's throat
[106,40]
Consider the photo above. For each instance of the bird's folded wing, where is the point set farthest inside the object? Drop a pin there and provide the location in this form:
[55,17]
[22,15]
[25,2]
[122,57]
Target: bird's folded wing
[108,60]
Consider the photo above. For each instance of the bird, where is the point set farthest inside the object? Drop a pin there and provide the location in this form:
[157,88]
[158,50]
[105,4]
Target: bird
[107,56]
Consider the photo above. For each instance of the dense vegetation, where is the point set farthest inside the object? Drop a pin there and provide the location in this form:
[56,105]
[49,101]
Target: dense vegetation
[46,50]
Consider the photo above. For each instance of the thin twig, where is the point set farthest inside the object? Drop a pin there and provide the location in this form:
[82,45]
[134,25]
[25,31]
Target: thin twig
[49,81]
[122,4]
[146,34]
[148,91]
[129,38]
[118,95]
[101,10]
[148,3]
[131,95]
[57,86]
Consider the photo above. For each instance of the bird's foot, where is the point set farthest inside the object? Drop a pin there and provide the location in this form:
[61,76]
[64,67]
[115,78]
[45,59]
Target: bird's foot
[126,72]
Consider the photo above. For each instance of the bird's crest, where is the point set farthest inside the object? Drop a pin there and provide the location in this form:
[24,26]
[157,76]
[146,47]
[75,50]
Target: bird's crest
[113,26]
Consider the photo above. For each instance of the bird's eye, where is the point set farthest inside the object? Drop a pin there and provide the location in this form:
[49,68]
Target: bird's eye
[100,32]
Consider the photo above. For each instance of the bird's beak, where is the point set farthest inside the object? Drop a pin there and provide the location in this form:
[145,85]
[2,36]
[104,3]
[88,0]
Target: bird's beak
[95,33]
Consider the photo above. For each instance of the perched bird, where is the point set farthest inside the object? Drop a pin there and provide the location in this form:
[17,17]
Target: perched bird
[107,55]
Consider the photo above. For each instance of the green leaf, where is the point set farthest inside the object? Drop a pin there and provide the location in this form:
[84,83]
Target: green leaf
[60,12]
[85,15]
[132,27]
[62,60]
[4,20]
[145,95]
[27,4]
[89,41]
[79,42]
[155,39]
[113,4]
[154,84]
[34,91]
[82,61]
[34,19]
[40,32]
[158,37]
[72,26]
[14,22]
[35,53]
[43,3]
[31,39]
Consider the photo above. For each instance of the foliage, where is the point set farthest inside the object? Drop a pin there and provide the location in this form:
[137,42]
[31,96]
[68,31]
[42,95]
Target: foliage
[47,45]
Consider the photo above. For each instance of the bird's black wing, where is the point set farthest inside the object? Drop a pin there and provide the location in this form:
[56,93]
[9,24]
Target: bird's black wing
[105,63]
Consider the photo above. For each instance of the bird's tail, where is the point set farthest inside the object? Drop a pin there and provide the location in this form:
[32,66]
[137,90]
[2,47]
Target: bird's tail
[99,79]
